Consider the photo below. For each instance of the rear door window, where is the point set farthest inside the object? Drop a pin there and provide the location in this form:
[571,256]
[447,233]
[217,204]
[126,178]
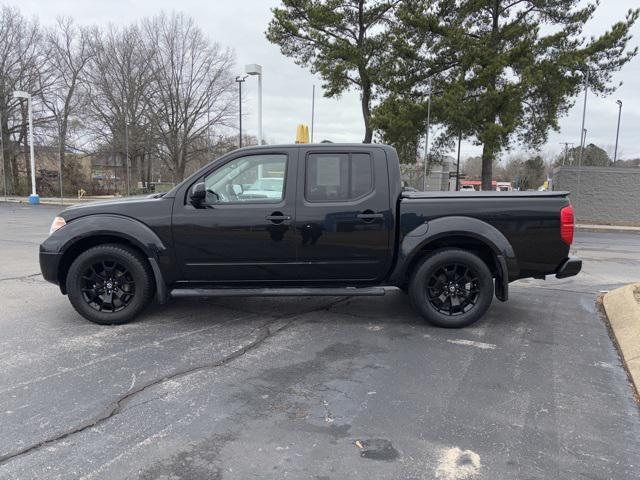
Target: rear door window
[338,177]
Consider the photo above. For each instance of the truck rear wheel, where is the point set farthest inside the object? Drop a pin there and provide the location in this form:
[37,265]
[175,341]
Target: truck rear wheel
[451,288]
[109,284]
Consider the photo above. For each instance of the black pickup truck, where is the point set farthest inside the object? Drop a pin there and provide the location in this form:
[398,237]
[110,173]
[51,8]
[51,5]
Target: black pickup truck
[326,219]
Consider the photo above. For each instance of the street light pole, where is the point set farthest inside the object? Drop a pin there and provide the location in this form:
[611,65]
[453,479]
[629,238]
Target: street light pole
[34,199]
[584,114]
[4,172]
[60,147]
[126,152]
[615,153]
[313,109]
[458,163]
[240,80]
[255,69]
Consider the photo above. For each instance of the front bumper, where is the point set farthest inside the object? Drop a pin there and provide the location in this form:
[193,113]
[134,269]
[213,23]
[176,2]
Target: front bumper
[570,267]
[49,262]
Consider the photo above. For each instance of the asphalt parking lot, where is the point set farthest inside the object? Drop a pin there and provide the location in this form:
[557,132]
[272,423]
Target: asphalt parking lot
[318,388]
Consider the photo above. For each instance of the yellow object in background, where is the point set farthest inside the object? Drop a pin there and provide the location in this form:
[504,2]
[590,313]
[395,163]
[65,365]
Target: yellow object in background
[302,134]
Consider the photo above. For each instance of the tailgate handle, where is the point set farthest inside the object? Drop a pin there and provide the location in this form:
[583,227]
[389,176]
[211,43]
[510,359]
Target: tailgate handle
[277,217]
[369,216]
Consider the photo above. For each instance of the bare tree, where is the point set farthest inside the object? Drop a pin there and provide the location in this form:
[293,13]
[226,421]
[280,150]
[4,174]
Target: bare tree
[118,84]
[68,52]
[21,58]
[193,88]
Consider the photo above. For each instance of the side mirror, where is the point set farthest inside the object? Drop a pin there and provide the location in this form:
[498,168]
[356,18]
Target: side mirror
[198,194]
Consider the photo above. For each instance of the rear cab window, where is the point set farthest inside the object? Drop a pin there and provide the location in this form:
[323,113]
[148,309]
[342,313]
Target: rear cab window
[338,177]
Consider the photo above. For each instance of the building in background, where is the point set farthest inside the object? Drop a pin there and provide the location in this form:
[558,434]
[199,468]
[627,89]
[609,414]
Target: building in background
[605,195]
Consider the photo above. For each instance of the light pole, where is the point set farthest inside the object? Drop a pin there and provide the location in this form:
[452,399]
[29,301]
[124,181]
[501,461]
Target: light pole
[126,152]
[255,69]
[615,152]
[34,199]
[60,147]
[584,114]
[458,163]
[240,80]
[313,109]
[426,142]
[4,172]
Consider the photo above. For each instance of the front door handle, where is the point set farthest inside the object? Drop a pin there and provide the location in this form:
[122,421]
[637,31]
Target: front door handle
[277,217]
[369,216]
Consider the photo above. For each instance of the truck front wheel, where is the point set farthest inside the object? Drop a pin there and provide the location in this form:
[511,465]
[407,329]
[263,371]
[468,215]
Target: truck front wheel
[451,288]
[109,284]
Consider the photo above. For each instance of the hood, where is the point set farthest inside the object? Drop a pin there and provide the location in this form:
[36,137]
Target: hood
[118,206]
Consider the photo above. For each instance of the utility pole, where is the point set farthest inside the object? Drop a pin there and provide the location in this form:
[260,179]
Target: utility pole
[426,142]
[615,153]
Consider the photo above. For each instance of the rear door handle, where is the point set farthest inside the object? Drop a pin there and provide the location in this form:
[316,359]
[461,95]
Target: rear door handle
[367,217]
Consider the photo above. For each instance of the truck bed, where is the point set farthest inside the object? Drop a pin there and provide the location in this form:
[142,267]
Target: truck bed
[529,220]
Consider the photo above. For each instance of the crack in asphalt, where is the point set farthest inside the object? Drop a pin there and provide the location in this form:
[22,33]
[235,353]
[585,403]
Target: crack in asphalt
[23,277]
[117,406]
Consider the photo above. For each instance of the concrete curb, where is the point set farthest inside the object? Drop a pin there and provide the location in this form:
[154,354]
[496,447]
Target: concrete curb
[623,311]
[607,228]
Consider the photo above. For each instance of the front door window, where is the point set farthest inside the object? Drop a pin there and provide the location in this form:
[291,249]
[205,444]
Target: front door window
[250,179]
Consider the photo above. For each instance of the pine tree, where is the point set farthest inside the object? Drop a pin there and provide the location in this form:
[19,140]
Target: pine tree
[342,41]
[503,70]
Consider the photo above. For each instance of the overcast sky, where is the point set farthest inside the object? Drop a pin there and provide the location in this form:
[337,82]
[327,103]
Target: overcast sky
[287,87]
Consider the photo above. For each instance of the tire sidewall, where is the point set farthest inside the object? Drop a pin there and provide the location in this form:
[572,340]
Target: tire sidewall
[418,288]
[127,258]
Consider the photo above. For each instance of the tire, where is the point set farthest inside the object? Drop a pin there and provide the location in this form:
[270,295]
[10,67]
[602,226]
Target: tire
[451,288]
[110,284]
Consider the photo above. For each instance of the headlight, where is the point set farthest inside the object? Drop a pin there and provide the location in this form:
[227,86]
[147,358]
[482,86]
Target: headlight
[57,224]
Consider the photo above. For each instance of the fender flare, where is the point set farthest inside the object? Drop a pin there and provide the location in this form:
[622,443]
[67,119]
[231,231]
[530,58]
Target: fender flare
[459,226]
[126,228]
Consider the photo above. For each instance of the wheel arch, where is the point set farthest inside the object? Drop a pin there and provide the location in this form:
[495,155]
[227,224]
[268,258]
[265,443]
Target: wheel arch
[87,232]
[466,233]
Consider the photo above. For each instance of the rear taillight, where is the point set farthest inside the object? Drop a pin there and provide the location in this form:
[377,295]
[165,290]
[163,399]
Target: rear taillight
[566,224]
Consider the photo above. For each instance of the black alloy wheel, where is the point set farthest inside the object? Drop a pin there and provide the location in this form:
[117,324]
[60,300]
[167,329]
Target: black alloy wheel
[451,288]
[110,284]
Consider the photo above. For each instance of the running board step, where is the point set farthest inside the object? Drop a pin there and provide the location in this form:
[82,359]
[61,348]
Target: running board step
[278,292]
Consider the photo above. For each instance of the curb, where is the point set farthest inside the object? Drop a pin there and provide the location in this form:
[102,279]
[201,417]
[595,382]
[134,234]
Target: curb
[45,202]
[52,201]
[607,228]
[623,311]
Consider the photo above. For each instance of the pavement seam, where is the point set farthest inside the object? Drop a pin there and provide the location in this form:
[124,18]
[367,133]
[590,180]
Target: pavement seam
[117,406]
